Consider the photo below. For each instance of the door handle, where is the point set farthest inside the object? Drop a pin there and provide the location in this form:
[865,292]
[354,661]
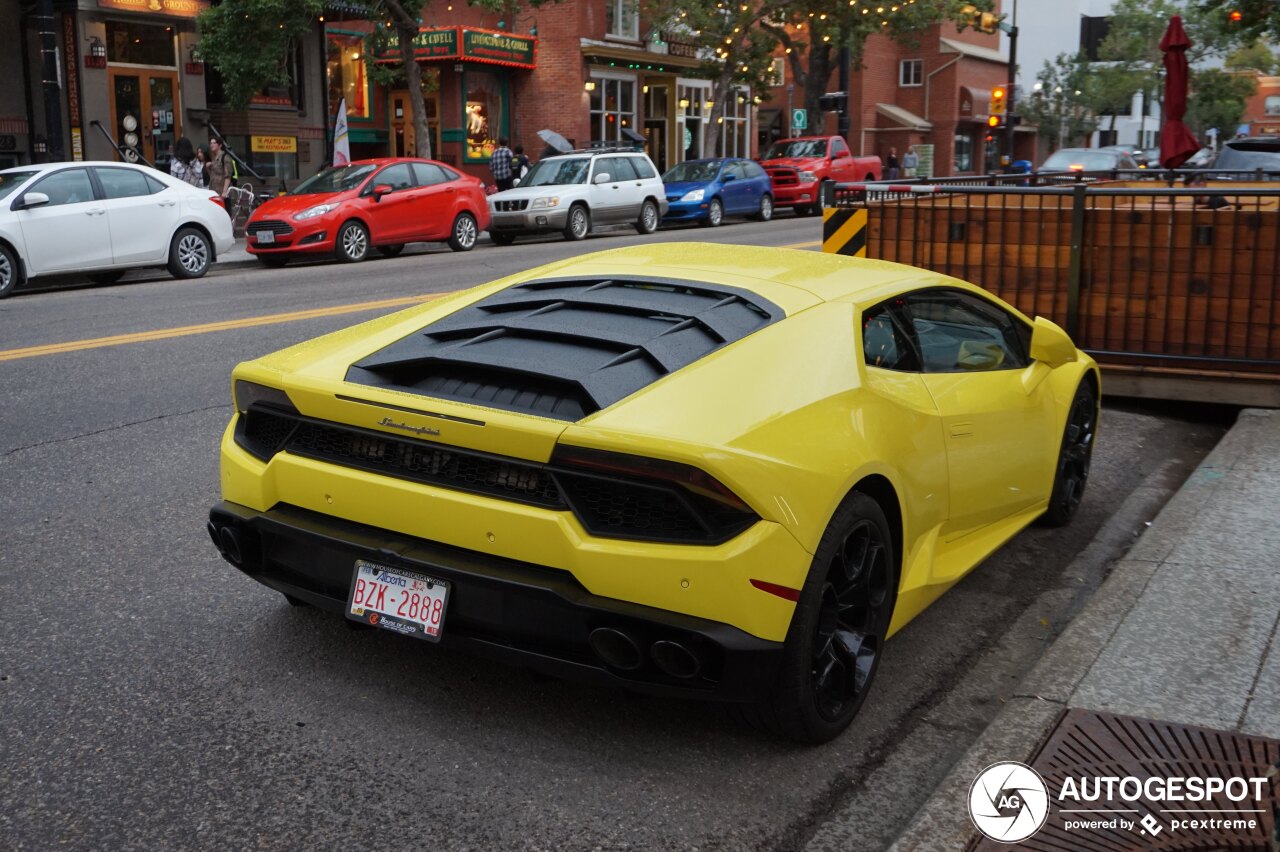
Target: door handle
[95,211]
[167,203]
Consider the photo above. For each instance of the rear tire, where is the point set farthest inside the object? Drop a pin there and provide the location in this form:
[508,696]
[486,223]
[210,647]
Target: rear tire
[1074,458]
[190,254]
[766,209]
[502,239]
[465,232]
[649,216]
[352,245]
[272,261]
[8,272]
[391,250]
[838,631]
[578,224]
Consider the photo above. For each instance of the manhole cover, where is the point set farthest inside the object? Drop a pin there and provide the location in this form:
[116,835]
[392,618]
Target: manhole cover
[1141,786]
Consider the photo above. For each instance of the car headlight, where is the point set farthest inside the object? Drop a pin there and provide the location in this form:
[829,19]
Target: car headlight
[546,201]
[808,177]
[693,195]
[313,212]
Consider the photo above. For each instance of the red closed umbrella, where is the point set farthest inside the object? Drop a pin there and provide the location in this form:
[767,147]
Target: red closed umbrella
[1176,142]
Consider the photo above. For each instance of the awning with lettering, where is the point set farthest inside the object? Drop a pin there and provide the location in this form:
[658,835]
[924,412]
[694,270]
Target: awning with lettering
[469,44]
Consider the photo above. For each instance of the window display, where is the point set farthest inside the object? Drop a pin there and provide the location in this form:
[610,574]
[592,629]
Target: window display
[347,74]
[483,115]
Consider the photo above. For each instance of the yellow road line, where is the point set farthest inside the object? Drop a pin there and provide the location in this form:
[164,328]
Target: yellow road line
[206,328]
[809,244]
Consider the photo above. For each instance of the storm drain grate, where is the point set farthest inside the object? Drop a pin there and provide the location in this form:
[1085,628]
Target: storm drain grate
[1091,745]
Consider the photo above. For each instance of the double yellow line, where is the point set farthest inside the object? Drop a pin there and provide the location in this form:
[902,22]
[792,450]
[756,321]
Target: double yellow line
[229,325]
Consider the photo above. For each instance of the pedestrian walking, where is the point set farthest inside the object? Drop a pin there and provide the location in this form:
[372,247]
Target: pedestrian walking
[910,162]
[221,170]
[185,166]
[891,166]
[500,165]
[519,163]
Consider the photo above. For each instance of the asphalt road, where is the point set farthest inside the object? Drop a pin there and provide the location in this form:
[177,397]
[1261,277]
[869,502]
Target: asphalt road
[153,697]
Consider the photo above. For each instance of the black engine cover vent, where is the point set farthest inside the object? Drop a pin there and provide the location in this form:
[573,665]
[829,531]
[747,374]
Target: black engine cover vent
[568,347]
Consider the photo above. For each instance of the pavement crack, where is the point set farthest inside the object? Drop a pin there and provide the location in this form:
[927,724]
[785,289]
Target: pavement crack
[114,428]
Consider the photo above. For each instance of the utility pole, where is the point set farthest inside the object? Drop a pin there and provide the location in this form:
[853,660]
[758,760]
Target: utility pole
[842,117]
[1011,96]
[51,80]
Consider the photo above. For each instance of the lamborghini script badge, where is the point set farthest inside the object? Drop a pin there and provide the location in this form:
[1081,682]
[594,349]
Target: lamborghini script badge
[417,430]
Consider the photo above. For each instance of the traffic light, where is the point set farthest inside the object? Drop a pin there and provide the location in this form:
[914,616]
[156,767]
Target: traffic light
[993,121]
[1235,16]
[997,101]
[983,22]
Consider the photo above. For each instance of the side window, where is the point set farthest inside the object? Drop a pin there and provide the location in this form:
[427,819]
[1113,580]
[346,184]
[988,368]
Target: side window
[70,186]
[396,177]
[643,168]
[753,169]
[449,174]
[737,170]
[155,185]
[960,332]
[621,168]
[429,174]
[124,183]
[886,342]
[839,149]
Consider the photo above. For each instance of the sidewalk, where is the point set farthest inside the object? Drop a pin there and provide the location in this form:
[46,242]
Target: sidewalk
[235,255]
[1184,630]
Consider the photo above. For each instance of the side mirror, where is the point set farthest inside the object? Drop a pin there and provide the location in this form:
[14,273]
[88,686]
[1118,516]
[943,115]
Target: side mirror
[602,177]
[34,199]
[1050,344]
[381,190]
[728,177]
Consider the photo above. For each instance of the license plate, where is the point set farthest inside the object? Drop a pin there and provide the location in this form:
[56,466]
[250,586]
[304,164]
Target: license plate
[266,238]
[397,600]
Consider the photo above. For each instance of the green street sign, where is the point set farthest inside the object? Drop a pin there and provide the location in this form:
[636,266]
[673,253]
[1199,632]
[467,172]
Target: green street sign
[799,119]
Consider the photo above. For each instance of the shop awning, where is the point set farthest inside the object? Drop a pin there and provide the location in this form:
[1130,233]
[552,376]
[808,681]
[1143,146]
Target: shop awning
[975,103]
[906,118]
[634,58]
[468,44]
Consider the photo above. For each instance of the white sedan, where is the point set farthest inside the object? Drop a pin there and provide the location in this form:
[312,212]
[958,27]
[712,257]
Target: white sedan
[104,219]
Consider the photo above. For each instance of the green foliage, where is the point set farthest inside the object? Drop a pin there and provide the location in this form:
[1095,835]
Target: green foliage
[1059,104]
[1258,19]
[1218,100]
[1253,57]
[249,42]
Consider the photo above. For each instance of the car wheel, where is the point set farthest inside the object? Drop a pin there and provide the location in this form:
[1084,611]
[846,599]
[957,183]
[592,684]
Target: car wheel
[8,272]
[391,251]
[190,254]
[766,209]
[502,239]
[715,214]
[838,631]
[579,224]
[465,232]
[648,221]
[1074,458]
[353,242]
[108,277]
[272,261]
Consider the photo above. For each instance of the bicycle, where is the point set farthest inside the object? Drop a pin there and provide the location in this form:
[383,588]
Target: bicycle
[241,202]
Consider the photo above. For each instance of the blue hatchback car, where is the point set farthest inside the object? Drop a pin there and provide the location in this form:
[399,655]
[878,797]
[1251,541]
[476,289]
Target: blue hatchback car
[705,191]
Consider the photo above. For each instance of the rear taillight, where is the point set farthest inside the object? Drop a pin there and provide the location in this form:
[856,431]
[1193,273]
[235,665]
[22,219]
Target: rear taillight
[218,200]
[623,496]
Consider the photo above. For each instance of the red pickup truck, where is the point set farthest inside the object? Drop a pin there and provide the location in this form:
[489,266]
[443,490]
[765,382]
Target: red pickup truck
[797,167]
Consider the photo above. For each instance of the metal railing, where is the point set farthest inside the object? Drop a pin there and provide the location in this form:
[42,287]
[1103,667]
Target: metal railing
[1184,277]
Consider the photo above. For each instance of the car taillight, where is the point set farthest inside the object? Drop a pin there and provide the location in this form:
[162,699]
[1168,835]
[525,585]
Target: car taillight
[624,496]
[219,200]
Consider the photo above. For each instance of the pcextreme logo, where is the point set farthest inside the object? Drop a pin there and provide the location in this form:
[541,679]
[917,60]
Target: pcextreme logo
[1008,802]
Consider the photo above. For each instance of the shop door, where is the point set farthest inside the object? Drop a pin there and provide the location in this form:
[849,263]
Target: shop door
[404,141]
[655,126]
[145,113]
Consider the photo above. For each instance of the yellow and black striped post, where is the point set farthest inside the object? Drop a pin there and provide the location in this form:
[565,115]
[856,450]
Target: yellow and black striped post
[844,231]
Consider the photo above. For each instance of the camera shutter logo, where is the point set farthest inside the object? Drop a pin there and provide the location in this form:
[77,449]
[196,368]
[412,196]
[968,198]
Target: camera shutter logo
[1008,802]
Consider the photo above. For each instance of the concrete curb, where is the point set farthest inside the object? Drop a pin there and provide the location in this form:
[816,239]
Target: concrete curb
[943,821]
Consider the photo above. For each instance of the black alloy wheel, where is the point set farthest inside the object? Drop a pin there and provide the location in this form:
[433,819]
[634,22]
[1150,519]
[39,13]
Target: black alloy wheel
[1074,458]
[839,628]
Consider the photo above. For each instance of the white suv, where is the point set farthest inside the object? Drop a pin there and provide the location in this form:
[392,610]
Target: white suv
[572,192]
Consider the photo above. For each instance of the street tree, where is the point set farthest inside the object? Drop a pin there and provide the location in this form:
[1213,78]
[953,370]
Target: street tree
[1057,106]
[1218,99]
[1252,57]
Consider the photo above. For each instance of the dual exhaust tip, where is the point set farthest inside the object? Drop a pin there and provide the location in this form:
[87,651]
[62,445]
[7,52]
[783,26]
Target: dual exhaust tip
[231,543]
[622,651]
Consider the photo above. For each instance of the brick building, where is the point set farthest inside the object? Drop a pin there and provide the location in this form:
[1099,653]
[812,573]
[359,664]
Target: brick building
[1262,111]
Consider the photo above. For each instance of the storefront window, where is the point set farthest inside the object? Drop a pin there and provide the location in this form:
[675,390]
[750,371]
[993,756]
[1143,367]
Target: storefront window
[613,107]
[483,116]
[691,111]
[963,158]
[622,18]
[140,44]
[736,134]
[347,74]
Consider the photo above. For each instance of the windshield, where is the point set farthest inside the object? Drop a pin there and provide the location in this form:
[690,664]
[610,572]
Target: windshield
[557,171]
[9,181]
[1090,161]
[334,179]
[1257,155]
[798,148]
[693,172]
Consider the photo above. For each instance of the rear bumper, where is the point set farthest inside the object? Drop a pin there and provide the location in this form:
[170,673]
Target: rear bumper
[501,608]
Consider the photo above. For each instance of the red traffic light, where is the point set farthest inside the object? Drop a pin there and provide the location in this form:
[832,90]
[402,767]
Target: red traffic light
[1235,16]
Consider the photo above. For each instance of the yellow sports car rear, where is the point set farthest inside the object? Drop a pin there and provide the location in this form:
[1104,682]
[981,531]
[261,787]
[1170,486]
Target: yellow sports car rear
[686,469]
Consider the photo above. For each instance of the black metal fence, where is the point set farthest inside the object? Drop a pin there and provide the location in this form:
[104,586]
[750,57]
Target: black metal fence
[1186,277]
